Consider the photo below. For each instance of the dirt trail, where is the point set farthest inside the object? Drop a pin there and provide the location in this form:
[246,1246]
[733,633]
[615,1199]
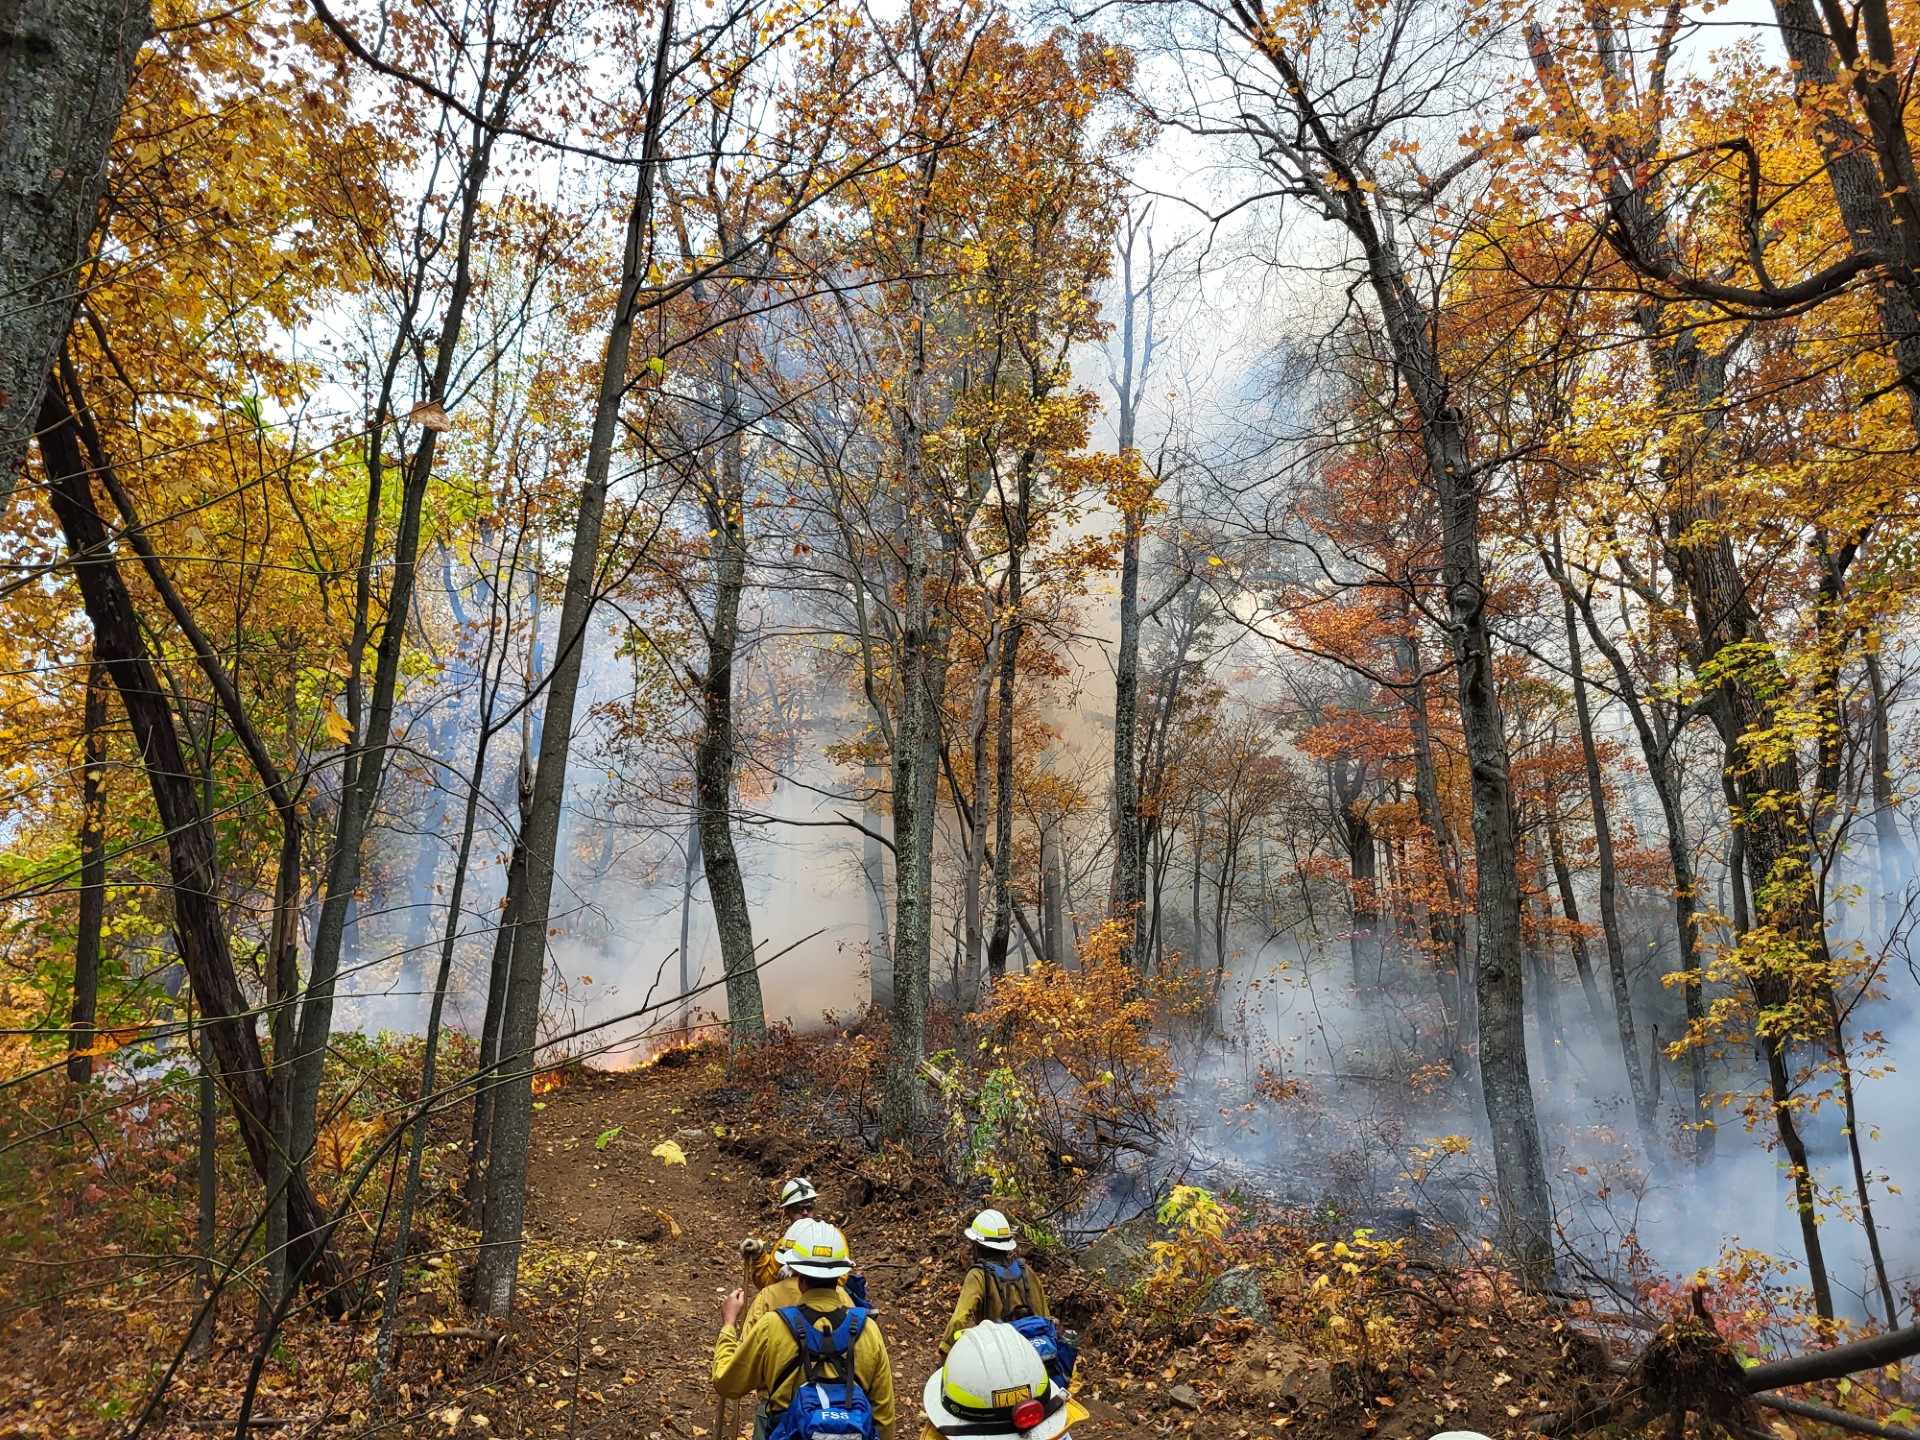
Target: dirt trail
[629,1256]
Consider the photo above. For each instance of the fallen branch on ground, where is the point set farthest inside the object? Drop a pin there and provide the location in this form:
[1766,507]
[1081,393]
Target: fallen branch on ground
[1839,1419]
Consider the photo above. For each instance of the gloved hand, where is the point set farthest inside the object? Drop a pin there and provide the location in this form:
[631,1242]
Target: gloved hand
[751,1249]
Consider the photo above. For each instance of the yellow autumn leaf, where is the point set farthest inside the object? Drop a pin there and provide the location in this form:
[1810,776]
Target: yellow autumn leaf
[340,1140]
[111,1040]
[336,726]
[670,1151]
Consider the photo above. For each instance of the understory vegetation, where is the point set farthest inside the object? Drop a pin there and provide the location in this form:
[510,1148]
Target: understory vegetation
[1275,634]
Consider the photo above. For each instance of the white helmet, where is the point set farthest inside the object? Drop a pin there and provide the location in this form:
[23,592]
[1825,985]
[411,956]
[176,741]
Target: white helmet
[991,1229]
[994,1387]
[789,1242]
[797,1191]
[816,1250]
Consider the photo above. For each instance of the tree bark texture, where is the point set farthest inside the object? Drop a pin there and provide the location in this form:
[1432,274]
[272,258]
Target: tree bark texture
[1126,897]
[1002,934]
[65,67]
[499,971]
[713,759]
[873,866]
[921,687]
[1363,866]
[1520,1167]
[1443,927]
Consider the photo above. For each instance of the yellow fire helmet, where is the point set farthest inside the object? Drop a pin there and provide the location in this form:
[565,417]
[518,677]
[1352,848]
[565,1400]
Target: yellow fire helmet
[816,1250]
[991,1229]
[994,1387]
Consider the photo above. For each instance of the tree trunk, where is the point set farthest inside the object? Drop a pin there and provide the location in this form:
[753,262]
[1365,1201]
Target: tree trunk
[1663,771]
[1609,884]
[1126,893]
[1569,907]
[1783,906]
[713,756]
[207,1216]
[1876,201]
[65,66]
[689,877]
[417,936]
[974,814]
[499,972]
[1126,896]
[1443,925]
[498,1266]
[192,852]
[873,866]
[1003,780]
[922,685]
[429,1061]
[93,876]
[1520,1168]
[1891,858]
[1363,867]
[365,762]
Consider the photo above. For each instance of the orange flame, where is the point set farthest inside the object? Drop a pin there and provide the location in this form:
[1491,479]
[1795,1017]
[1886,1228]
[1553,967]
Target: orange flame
[548,1080]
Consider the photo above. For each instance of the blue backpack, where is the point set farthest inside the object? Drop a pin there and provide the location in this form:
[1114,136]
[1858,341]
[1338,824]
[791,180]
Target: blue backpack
[1010,1298]
[824,1406]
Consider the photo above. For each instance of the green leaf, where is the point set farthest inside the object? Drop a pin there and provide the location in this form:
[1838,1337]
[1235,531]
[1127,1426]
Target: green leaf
[605,1137]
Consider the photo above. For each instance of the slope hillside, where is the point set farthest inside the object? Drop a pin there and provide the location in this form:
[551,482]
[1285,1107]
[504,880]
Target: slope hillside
[631,1251]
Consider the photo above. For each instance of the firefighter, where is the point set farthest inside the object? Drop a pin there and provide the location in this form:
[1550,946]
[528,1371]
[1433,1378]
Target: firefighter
[994,1386]
[797,1201]
[768,1359]
[787,1288]
[997,1286]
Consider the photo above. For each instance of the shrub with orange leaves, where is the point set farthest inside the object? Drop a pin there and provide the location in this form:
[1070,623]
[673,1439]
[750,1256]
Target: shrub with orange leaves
[1075,1062]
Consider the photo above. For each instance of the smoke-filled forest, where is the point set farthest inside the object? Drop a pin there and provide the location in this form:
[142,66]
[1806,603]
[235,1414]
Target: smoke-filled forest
[1276,636]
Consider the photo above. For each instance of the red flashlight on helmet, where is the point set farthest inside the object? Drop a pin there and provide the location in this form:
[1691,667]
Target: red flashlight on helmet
[1028,1413]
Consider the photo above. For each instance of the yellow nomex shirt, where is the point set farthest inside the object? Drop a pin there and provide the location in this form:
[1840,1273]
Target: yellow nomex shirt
[779,1293]
[753,1364]
[973,1298]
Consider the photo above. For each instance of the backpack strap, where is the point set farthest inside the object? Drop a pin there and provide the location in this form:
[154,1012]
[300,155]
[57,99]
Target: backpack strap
[815,1347]
[799,1320]
[1029,1287]
[846,1337]
[1009,1289]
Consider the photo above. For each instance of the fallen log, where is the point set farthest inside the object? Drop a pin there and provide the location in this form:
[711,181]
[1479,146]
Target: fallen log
[1868,1354]
[1689,1368]
[1839,1419]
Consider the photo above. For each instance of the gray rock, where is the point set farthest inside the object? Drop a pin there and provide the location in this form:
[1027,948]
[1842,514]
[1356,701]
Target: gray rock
[1122,1251]
[1237,1290]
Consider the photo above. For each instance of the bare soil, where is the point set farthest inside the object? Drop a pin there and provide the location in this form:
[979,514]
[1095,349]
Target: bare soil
[630,1255]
